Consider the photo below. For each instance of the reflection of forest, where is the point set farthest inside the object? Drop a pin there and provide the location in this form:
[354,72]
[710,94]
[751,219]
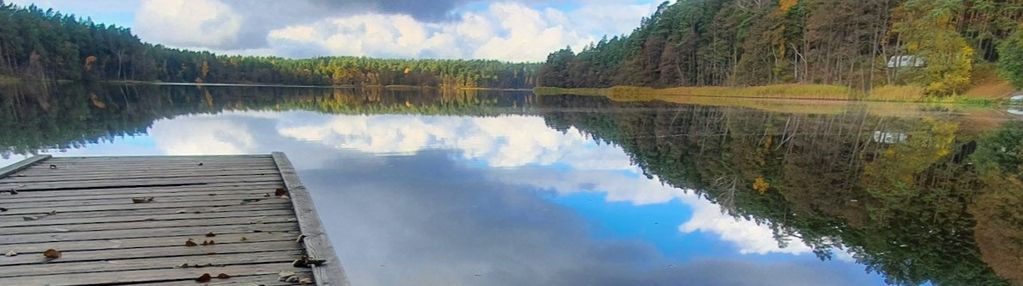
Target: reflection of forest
[66,116]
[918,199]
[932,197]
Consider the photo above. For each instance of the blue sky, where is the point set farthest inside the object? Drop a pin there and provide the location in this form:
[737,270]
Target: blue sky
[514,30]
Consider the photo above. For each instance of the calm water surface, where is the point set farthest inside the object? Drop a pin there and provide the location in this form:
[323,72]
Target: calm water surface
[507,188]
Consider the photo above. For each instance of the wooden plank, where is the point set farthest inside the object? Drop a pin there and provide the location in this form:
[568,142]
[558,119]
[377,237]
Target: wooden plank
[143,276]
[119,264]
[163,158]
[72,220]
[122,234]
[21,212]
[14,200]
[148,175]
[164,251]
[143,242]
[195,197]
[232,196]
[137,183]
[143,225]
[149,190]
[5,171]
[317,244]
[264,280]
[42,172]
[148,212]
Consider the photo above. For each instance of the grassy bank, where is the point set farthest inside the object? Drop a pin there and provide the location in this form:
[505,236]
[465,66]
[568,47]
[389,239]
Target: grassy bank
[895,93]
[781,91]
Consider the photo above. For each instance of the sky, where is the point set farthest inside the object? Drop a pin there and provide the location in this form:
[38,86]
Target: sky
[509,30]
[502,200]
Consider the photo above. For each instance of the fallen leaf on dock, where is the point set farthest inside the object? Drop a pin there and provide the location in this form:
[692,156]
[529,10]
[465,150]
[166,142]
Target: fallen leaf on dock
[29,218]
[190,243]
[3,210]
[306,281]
[280,192]
[210,234]
[142,200]
[283,276]
[51,253]
[53,167]
[223,276]
[244,238]
[11,253]
[206,277]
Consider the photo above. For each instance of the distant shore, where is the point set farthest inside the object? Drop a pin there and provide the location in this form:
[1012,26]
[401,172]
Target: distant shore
[901,93]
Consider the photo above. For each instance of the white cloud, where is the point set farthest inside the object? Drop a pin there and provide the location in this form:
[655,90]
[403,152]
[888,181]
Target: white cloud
[188,23]
[750,237]
[505,141]
[205,135]
[508,31]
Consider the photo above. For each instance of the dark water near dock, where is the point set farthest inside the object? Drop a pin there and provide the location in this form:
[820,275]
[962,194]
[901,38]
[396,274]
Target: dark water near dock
[507,188]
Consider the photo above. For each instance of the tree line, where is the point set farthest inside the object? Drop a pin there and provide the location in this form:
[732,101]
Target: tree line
[936,44]
[49,45]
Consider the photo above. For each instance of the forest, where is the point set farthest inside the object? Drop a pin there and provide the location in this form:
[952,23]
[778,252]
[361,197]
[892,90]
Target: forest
[941,46]
[38,44]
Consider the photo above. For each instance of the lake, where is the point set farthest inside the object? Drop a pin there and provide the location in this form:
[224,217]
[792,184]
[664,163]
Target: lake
[428,187]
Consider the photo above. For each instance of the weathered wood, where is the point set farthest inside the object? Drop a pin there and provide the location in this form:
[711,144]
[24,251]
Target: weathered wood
[136,182]
[130,233]
[144,276]
[151,175]
[75,193]
[165,251]
[152,205]
[128,243]
[218,193]
[5,171]
[317,244]
[242,281]
[195,197]
[125,263]
[148,218]
[142,225]
[84,207]
[148,212]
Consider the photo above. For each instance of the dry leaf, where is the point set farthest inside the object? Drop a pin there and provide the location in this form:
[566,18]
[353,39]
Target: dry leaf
[244,238]
[305,281]
[142,200]
[182,211]
[210,234]
[190,243]
[53,167]
[51,253]
[208,242]
[280,192]
[29,218]
[283,276]
[292,279]
[53,212]
[3,210]
[11,253]
[200,164]
[223,276]
[204,278]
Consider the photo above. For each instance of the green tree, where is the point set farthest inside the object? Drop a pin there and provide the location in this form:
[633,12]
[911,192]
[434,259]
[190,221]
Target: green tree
[1010,59]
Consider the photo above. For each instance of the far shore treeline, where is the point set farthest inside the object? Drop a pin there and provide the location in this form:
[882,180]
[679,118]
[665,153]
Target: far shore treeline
[941,47]
[883,50]
[38,44]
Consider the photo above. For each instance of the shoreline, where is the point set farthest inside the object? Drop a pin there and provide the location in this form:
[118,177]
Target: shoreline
[798,92]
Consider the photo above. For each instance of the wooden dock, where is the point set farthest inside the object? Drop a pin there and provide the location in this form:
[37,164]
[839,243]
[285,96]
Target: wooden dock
[161,220]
